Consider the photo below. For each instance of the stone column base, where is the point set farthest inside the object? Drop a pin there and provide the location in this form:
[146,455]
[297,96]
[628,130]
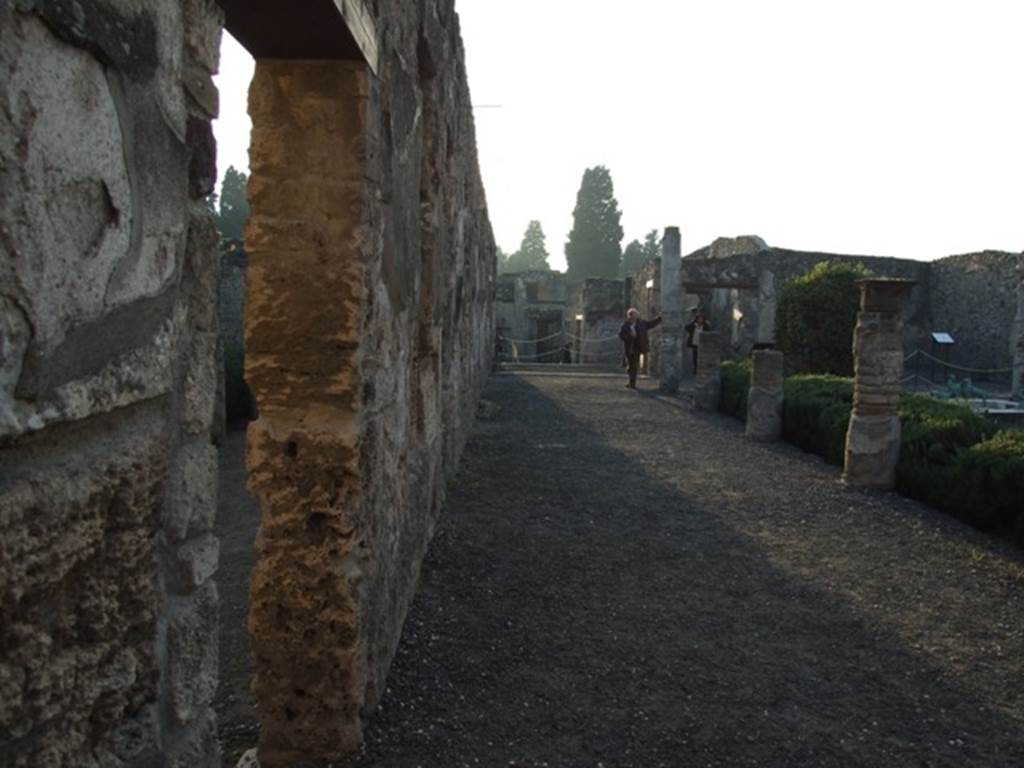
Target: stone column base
[764,415]
[872,451]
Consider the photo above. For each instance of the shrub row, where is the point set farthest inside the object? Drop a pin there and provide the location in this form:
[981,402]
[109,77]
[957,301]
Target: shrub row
[736,387]
[950,457]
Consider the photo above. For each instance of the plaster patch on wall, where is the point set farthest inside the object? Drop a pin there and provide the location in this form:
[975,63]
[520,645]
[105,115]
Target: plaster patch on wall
[67,199]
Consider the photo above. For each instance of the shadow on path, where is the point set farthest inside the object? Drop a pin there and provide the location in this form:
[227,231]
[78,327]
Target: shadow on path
[617,582]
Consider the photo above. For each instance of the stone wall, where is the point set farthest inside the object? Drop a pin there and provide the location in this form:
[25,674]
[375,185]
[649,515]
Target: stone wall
[971,296]
[974,298]
[529,306]
[601,305]
[739,291]
[645,296]
[108,383]
[369,333]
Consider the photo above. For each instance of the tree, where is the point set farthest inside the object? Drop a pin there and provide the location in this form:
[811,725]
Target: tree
[815,318]
[234,205]
[632,258]
[502,259]
[652,245]
[637,253]
[532,253]
[594,248]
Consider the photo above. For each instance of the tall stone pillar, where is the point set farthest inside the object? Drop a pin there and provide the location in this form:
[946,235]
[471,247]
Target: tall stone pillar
[671,358]
[307,618]
[708,390]
[764,403]
[873,438]
[1017,337]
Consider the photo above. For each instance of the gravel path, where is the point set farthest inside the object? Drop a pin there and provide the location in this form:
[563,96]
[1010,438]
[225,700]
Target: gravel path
[618,581]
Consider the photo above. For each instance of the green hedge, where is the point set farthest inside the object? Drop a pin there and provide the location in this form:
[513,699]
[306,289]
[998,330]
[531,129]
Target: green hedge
[990,491]
[735,387]
[934,433]
[950,457]
[816,412]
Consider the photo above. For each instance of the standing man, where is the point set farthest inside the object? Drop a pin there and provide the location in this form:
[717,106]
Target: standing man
[635,342]
[693,328]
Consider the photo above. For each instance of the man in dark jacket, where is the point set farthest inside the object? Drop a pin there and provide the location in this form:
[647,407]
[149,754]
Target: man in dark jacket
[693,329]
[635,342]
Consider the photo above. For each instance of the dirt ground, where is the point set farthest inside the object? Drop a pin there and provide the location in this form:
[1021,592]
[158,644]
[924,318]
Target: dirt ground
[238,518]
[618,581]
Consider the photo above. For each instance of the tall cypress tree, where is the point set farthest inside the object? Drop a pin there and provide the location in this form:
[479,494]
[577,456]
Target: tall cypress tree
[234,206]
[594,248]
[532,253]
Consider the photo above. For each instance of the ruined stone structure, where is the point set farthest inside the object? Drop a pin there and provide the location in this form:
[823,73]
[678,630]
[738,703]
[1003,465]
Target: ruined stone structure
[974,298]
[530,306]
[707,392]
[764,401]
[108,392]
[597,311]
[670,353]
[739,291]
[737,281]
[645,295]
[873,438]
[368,333]
[540,312]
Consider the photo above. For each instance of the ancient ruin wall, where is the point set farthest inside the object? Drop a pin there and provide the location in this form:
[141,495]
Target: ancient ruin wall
[740,291]
[369,333]
[646,296]
[974,298]
[599,302]
[108,383]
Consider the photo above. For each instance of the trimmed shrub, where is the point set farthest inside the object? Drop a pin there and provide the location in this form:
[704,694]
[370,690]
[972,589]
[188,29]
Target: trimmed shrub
[933,434]
[736,387]
[950,457]
[816,413]
[989,492]
[816,316]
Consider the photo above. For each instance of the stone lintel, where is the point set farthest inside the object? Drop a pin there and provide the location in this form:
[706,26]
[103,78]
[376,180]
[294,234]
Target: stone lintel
[340,30]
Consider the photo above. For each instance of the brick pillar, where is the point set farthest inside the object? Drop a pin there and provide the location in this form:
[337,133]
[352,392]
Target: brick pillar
[303,317]
[708,389]
[672,333]
[1017,338]
[764,403]
[873,438]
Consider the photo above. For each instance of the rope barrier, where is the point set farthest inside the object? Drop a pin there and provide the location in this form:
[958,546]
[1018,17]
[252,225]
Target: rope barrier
[531,341]
[592,341]
[556,335]
[922,353]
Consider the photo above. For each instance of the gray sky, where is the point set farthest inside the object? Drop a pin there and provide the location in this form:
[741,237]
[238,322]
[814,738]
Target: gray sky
[890,127]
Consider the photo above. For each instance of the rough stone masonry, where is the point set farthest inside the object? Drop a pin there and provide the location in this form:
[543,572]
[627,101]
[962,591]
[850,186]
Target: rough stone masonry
[108,383]
[369,327]
[369,333]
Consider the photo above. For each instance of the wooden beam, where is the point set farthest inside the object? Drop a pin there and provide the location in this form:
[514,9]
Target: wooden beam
[337,30]
[360,25]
